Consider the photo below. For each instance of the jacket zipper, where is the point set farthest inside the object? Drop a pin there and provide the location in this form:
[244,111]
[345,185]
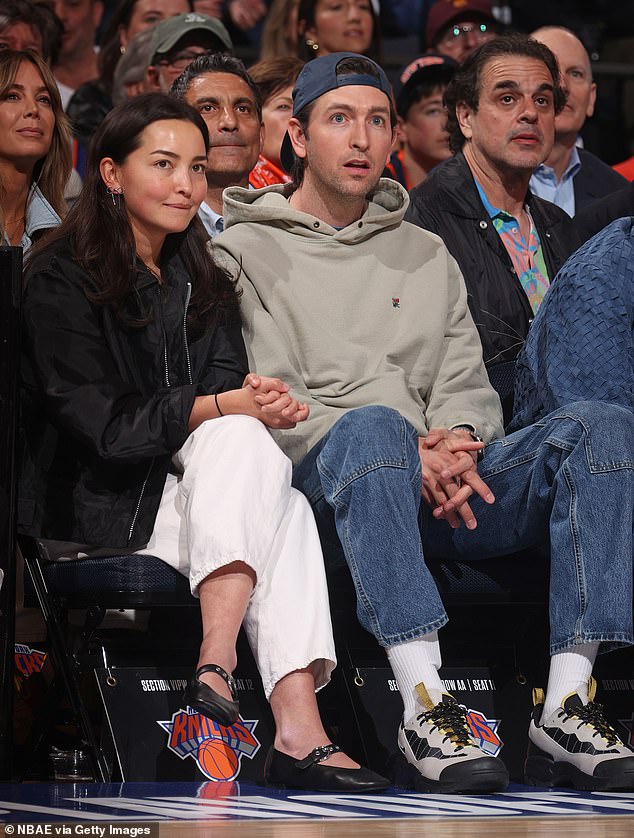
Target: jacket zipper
[165,358]
[138,504]
[189,365]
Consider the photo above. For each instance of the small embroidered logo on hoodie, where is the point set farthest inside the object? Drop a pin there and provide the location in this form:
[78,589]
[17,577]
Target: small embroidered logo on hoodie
[396,302]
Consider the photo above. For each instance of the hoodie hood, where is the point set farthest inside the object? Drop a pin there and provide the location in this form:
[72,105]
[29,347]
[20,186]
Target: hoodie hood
[387,204]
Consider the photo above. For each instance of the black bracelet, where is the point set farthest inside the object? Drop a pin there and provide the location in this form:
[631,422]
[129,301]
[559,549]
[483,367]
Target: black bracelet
[220,413]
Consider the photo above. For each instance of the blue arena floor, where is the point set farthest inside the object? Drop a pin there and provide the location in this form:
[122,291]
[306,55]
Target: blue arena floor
[161,802]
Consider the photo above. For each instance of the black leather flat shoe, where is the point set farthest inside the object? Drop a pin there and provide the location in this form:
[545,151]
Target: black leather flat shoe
[200,697]
[307,773]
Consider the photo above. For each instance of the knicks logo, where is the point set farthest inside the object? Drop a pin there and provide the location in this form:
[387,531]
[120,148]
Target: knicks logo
[484,732]
[217,750]
[28,661]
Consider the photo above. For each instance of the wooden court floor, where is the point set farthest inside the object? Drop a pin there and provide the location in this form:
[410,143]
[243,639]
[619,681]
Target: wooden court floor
[246,810]
[561,827]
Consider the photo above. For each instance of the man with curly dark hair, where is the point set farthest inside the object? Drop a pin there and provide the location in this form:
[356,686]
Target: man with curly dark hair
[501,108]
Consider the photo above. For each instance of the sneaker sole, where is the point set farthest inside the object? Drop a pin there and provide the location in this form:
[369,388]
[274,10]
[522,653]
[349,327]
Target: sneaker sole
[544,771]
[487,778]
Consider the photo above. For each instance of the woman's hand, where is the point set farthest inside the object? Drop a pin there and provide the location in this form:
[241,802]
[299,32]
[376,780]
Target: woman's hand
[266,399]
[272,404]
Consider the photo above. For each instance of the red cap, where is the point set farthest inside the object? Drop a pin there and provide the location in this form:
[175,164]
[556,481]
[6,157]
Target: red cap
[443,12]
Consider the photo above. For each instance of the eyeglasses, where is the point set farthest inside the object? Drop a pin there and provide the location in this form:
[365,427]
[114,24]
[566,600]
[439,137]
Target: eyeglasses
[182,60]
[479,31]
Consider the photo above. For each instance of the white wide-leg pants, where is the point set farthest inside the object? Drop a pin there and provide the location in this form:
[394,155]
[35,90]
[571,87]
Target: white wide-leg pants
[229,500]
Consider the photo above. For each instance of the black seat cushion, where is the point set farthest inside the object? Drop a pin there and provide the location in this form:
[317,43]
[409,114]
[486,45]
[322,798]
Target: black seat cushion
[118,581]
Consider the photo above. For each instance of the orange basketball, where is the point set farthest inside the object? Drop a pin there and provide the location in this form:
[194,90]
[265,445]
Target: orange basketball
[217,760]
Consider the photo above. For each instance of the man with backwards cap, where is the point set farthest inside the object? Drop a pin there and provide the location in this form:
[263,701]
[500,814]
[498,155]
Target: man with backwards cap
[365,316]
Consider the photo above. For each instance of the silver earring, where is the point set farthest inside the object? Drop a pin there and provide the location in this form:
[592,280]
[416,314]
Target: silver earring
[312,44]
[115,193]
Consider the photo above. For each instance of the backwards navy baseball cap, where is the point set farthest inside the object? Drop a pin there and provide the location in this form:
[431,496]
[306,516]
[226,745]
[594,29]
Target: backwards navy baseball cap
[319,76]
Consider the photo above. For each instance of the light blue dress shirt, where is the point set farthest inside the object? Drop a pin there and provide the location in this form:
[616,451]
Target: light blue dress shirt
[544,184]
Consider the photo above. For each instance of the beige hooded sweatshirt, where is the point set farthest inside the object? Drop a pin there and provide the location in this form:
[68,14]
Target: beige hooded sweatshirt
[373,314]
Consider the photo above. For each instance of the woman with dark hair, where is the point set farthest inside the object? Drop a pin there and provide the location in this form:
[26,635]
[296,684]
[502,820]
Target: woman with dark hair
[327,26]
[35,148]
[93,99]
[143,433]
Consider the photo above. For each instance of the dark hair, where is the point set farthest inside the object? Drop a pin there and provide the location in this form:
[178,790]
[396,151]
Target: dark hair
[465,85]
[100,233]
[217,62]
[306,19]
[39,18]
[431,80]
[274,74]
[358,66]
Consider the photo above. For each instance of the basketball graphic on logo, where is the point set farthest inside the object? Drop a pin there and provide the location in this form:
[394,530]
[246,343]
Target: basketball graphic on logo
[217,760]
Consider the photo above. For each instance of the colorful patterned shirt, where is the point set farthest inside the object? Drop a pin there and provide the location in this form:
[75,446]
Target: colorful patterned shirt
[527,257]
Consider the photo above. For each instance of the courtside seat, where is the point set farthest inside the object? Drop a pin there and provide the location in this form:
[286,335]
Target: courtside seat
[142,580]
[94,586]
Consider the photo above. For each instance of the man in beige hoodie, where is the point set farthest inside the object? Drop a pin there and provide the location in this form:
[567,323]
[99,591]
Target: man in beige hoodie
[365,316]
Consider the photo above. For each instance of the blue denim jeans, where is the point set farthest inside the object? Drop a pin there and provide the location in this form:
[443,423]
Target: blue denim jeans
[567,480]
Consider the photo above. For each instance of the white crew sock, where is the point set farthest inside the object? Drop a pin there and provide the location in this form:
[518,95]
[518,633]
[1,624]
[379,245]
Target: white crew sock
[413,662]
[570,672]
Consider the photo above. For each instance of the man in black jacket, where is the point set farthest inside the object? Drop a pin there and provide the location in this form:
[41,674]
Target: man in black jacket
[509,244]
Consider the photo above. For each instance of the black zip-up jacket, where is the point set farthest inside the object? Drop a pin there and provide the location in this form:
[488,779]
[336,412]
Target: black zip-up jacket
[105,406]
[447,203]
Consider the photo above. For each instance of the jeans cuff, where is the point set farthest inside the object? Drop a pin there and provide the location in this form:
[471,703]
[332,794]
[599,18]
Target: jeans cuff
[413,634]
[609,641]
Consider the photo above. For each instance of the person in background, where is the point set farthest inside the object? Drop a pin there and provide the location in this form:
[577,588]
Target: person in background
[76,62]
[458,27]
[154,441]
[35,148]
[327,26]
[220,89]
[130,75]
[572,177]
[422,119]
[25,25]
[178,41]
[280,32]
[92,100]
[275,78]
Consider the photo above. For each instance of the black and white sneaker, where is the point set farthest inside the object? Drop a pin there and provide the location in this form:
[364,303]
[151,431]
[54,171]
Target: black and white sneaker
[437,742]
[576,747]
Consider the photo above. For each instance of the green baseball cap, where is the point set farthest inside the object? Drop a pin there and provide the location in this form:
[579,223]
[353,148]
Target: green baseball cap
[168,32]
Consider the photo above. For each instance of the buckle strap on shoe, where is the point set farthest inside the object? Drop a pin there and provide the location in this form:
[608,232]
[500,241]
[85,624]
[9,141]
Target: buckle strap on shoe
[213,667]
[317,755]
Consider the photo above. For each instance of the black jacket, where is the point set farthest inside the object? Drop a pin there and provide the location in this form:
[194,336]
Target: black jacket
[105,405]
[447,203]
[599,214]
[595,179]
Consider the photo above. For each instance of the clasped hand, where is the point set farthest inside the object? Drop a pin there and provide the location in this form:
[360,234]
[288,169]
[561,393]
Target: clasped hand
[450,475]
[271,403]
